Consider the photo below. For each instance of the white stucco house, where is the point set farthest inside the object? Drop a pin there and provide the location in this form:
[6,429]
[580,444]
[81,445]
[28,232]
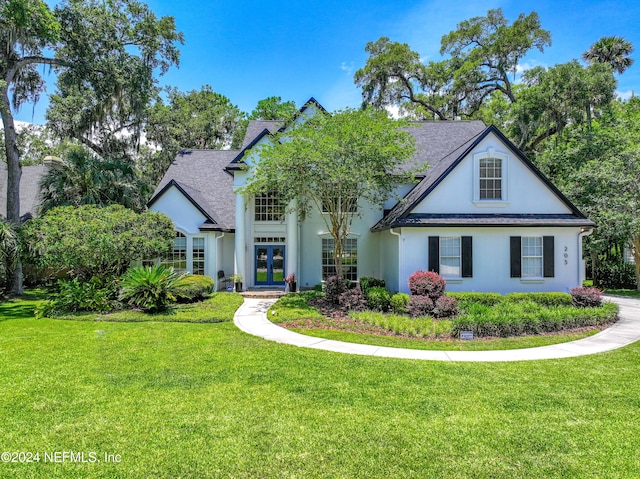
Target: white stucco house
[482,215]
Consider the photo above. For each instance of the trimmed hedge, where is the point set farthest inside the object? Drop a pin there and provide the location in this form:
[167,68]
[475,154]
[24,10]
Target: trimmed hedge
[487,299]
[544,299]
[517,319]
[194,287]
[615,275]
[491,299]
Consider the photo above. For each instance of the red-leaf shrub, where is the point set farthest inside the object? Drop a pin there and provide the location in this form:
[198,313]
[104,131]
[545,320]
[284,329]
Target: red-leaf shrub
[420,306]
[584,297]
[427,283]
[333,288]
[445,306]
[353,300]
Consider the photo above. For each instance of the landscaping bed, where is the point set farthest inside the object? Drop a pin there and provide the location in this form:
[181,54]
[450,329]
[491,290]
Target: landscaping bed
[548,317]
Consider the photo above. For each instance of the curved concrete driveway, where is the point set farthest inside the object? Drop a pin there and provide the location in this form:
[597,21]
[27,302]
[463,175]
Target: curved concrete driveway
[251,318]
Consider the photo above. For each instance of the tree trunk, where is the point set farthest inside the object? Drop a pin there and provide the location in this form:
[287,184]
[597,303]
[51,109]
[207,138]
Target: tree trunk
[13,179]
[636,258]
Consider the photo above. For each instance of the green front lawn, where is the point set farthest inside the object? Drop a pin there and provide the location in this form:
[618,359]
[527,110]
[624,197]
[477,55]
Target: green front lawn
[217,308]
[208,401]
[450,345]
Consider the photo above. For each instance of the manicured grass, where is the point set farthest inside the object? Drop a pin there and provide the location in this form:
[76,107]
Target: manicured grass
[217,308]
[208,401]
[437,345]
[631,293]
[294,306]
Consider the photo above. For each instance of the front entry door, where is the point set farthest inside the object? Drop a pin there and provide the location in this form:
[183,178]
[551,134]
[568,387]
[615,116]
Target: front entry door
[269,265]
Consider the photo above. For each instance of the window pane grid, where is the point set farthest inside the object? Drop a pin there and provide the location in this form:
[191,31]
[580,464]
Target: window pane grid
[177,258]
[450,256]
[268,207]
[532,257]
[349,259]
[198,256]
[490,179]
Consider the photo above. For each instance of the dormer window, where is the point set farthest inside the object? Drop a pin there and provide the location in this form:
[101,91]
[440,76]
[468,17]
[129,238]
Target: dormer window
[490,178]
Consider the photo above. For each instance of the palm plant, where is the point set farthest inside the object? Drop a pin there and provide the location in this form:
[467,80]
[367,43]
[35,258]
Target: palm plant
[84,179]
[150,288]
[612,50]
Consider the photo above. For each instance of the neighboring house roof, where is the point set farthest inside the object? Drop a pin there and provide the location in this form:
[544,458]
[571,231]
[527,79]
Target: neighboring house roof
[201,177]
[29,189]
[400,214]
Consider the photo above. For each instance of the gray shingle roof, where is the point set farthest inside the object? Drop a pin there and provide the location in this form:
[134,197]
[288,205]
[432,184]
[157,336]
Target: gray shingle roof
[401,212]
[255,127]
[439,219]
[436,140]
[202,177]
[29,189]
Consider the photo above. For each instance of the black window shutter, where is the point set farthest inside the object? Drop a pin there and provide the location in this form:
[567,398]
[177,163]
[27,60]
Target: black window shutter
[515,244]
[467,257]
[548,256]
[434,253]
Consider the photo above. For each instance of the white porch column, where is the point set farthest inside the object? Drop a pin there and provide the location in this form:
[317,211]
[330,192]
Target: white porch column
[240,240]
[292,242]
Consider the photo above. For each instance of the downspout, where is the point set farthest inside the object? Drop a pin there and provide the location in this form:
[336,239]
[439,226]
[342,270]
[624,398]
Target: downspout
[218,257]
[399,254]
[581,270]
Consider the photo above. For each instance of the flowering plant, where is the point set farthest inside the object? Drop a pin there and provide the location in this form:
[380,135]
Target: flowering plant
[290,278]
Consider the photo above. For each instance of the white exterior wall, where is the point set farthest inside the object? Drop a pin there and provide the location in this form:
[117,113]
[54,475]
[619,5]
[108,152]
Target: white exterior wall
[390,258]
[525,193]
[187,220]
[491,258]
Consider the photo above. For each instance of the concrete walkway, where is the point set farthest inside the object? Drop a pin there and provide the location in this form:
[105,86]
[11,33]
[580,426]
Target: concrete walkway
[251,318]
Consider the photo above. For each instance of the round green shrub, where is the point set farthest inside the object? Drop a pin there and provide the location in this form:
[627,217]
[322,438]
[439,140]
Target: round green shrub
[378,298]
[399,302]
[194,287]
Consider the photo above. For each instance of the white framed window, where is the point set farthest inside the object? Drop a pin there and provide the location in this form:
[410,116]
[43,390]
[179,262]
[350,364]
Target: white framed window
[197,252]
[450,256]
[349,259]
[532,257]
[177,257]
[268,207]
[490,178]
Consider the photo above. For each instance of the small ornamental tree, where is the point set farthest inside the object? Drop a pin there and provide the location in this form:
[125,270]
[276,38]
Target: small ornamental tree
[90,241]
[331,163]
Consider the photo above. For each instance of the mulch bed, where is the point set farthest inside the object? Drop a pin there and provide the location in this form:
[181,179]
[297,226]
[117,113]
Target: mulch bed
[335,318]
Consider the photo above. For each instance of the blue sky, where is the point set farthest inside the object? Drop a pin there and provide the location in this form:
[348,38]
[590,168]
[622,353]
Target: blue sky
[249,50]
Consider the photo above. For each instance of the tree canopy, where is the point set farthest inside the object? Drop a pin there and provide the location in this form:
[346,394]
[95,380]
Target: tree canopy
[90,241]
[332,163]
[483,52]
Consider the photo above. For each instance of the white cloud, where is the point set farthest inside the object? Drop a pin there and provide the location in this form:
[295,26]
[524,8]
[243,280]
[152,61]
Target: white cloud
[625,95]
[346,67]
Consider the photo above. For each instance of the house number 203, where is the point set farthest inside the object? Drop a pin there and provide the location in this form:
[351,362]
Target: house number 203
[566,255]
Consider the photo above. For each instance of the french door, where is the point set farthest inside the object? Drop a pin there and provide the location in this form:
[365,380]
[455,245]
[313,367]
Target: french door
[269,269]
